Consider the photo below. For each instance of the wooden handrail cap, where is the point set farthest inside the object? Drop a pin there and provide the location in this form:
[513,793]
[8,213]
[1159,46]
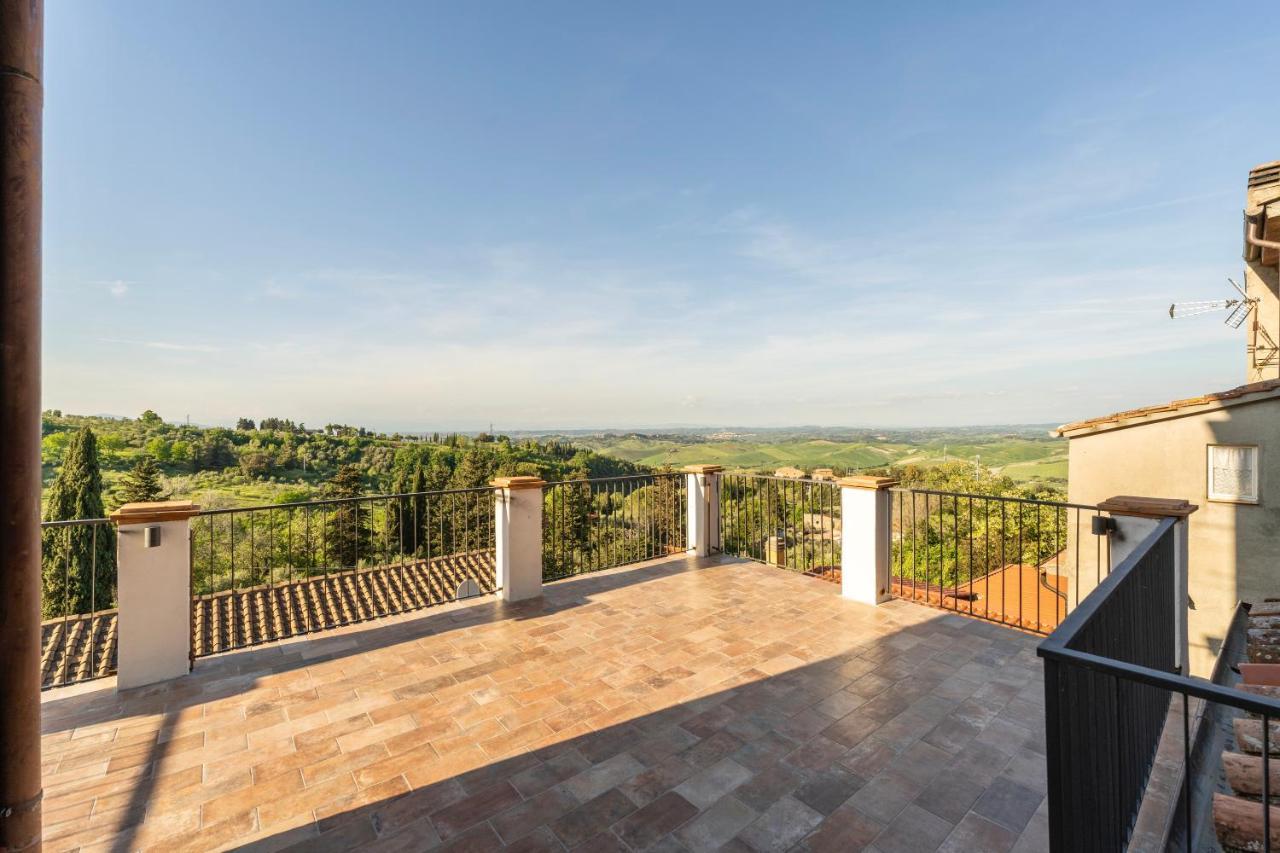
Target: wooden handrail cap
[860,481]
[1148,507]
[518,483]
[702,469]
[149,513]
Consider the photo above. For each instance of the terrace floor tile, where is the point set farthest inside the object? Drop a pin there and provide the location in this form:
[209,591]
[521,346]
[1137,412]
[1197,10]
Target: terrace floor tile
[677,705]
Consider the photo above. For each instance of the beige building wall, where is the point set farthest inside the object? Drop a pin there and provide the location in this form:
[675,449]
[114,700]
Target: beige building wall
[1234,549]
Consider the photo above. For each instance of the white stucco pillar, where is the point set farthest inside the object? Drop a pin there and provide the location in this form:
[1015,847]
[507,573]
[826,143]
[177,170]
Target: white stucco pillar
[153,591]
[1133,519]
[704,508]
[518,513]
[864,538]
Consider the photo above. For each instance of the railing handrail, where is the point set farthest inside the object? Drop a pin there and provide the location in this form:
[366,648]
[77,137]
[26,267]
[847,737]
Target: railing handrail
[580,481]
[779,479]
[1056,645]
[74,522]
[1010,498]
[1192,686]
[1077,620]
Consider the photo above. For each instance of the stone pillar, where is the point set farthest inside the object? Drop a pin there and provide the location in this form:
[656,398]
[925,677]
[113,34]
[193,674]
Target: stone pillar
[1133,519]
[704,509]
[864,538]
[153,588]
[518,512]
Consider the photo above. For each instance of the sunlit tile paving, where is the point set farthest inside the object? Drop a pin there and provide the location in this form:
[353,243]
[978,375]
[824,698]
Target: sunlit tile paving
[675,705]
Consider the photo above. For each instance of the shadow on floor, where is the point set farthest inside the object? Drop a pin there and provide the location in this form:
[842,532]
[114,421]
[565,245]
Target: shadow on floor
[925,732]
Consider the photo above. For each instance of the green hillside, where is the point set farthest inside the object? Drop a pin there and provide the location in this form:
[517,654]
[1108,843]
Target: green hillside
[1029,454]
[803,454]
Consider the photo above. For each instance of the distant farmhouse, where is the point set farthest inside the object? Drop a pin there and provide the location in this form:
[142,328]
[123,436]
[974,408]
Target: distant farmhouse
[1220,450]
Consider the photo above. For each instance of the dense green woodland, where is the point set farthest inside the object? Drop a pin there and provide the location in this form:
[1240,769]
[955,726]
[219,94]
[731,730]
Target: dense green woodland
[278,461]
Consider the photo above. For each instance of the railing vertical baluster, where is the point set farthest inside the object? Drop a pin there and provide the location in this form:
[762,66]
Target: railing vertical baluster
[915,550]
[1186,768]
[1021,556]
[986,557]
[231,598]
[973,593]
[1097,562]
[93,594]
[1004,562]
[1266,783]
[955,566]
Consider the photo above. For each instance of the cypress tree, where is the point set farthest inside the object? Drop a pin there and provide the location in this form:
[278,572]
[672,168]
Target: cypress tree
[348,525]
[399,511]
[471,513]
[568,513]
[142,483]
[78,562]
[419,504]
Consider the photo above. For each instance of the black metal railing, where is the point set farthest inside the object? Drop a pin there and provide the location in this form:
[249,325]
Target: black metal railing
[785,522]
[589,525]
[78,600]
[1113,695]
[263,573]
[1016,561]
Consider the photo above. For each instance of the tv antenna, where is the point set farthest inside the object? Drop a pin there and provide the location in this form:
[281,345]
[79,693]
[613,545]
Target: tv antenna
[1239,309]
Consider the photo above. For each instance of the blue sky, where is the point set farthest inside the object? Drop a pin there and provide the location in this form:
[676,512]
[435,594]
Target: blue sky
[420,216]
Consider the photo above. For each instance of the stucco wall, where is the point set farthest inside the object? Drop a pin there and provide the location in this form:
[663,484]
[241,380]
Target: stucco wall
[1233,549]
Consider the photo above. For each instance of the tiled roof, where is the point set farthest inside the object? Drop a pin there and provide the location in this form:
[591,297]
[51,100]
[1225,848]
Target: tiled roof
[1013,596]
[83,647]
[1256,391]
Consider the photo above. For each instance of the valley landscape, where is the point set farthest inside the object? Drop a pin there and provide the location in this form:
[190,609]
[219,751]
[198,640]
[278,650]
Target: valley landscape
[275,460]
[1022,453]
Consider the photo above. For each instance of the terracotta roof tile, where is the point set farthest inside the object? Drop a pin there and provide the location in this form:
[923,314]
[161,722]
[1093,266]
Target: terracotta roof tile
[1018,595]
[1118,418]
[82,647]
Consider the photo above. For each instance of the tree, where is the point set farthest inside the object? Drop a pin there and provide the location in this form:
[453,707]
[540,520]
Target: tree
[78,562]
[419,503]
[400,513]
[928,527]
[158,449]
[180,451]
[566,523]
[280,425]
[347,530]
[255,463]
[54,446]
[142,484]
[471,513]
[150,418]
[473,471]
[213,452]
[245,424]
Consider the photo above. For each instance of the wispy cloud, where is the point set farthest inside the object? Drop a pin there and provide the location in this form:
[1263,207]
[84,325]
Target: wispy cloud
[117,287]
[163,345]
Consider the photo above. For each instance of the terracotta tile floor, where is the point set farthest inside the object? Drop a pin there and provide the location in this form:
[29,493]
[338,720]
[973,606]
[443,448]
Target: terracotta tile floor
[678,705]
